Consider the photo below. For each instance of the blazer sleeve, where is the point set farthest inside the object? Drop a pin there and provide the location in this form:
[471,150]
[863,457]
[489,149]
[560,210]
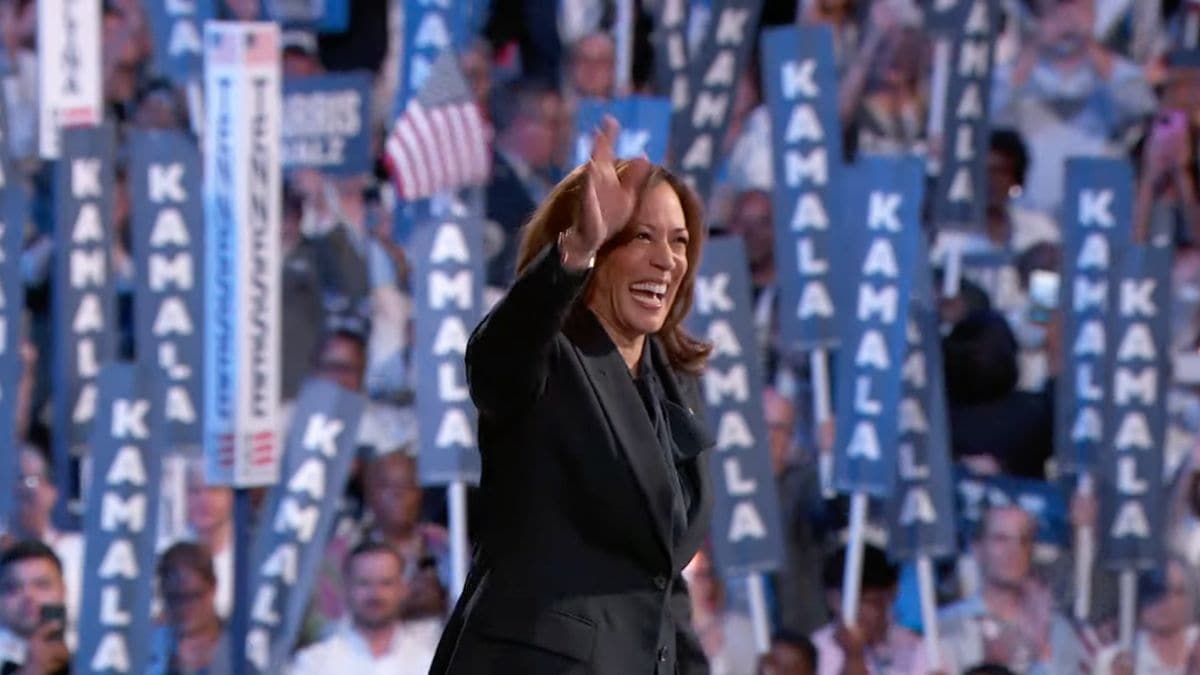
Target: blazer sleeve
[508,355]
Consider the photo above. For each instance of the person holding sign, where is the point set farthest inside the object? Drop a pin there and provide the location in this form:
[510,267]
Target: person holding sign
[593,452]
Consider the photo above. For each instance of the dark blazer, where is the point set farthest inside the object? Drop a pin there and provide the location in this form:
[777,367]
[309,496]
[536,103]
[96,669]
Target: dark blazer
[576,569]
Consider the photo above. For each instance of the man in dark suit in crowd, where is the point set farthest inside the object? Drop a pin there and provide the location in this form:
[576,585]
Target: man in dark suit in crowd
[528,118]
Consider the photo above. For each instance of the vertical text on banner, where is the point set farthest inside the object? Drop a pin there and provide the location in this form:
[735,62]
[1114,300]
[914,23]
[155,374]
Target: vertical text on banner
[298,518]
[84,298]
[800,81]
[747,533]
[168,300]
[176,29]
[1096,227]
[449,298]
[699,125]
[120,527]
[882,197]
[69,77]
[242,253]
[1132,504]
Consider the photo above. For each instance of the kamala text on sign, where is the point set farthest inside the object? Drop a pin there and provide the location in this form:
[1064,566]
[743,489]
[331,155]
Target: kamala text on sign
[672,52]
[1136,412]
[449,296]
[800,82]
[747,536]
[431,27]
[168,248]
[289,544]
[961,195]
[922,513]
[698,127]
[881,235]
[121,529]
[84,299]
[1098,211]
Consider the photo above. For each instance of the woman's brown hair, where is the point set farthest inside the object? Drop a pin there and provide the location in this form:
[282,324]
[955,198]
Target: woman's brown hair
[560,211]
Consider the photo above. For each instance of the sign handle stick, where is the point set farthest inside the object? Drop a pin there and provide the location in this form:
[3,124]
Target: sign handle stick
[852,578]
[937,97]
[243,543]
[822,412]
[457,496]
[1085,555]
[623,37]
[756,588]
[1128,607]
[928,591]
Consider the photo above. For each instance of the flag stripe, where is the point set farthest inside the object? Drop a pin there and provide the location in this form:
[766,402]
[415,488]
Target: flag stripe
[437,170]
[456,172]
[402,169]
[462,147]
[420,187]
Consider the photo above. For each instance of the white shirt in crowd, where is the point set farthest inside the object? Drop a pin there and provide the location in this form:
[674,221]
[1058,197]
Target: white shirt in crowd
[68,546]
[345,651]
[900,654]
[1146,661]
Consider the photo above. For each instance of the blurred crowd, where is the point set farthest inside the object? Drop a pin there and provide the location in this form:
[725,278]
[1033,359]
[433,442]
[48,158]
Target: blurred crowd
[1108,78]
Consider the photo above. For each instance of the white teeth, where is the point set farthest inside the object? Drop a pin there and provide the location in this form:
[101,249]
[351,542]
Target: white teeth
[650,287]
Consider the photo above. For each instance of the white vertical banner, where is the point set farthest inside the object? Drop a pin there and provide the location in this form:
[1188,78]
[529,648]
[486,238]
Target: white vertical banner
[70,79]
[243,85]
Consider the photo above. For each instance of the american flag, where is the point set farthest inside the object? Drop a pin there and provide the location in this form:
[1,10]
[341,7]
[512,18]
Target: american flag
[440,142]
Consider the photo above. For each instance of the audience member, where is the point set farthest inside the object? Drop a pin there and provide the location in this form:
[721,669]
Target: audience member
[31,641]
[726,635]
[191,639]
[1168,634]
[875,645]
[210,518]
[1012,620]
[790,654]
[373,639]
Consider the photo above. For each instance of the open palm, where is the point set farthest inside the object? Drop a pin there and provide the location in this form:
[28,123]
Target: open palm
[608,199]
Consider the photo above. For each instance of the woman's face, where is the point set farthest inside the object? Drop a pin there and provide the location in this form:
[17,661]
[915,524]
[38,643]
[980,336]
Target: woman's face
[637,281]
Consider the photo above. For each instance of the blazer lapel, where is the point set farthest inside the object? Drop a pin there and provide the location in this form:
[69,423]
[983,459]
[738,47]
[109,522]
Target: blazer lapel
[693,437]
[627,418]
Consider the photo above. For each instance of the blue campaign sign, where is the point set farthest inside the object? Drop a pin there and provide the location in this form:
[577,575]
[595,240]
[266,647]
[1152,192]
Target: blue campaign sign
[84,297]
[300,512]
[747,533]
[960,193]
[120,526]
[14,209]
[167,217]
[177,30]
[921,514]
[1133,501]
[1046,502]
[327,123]
[800,80]
[945,17]
[645,126]
[877,255]
[430,28]
[671,57]
[326,16]
[1098,210]
[702,113]
[448,292]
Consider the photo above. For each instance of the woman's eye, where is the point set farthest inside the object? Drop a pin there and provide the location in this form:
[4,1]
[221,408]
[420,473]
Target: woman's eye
[644,236]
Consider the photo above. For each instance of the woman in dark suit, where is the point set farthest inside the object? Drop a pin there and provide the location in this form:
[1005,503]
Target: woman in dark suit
[594,486]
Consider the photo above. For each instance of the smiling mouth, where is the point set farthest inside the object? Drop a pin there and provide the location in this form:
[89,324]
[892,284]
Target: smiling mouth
[649,293]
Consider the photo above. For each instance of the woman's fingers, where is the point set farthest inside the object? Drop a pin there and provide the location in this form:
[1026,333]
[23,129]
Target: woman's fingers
[636,175]
[605,139]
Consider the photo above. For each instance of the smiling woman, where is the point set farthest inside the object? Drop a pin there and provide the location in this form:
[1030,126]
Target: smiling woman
[593,449]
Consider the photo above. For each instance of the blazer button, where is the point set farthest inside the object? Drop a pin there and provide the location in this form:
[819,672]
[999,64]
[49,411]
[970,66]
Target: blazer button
[660,582]
[662,654]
